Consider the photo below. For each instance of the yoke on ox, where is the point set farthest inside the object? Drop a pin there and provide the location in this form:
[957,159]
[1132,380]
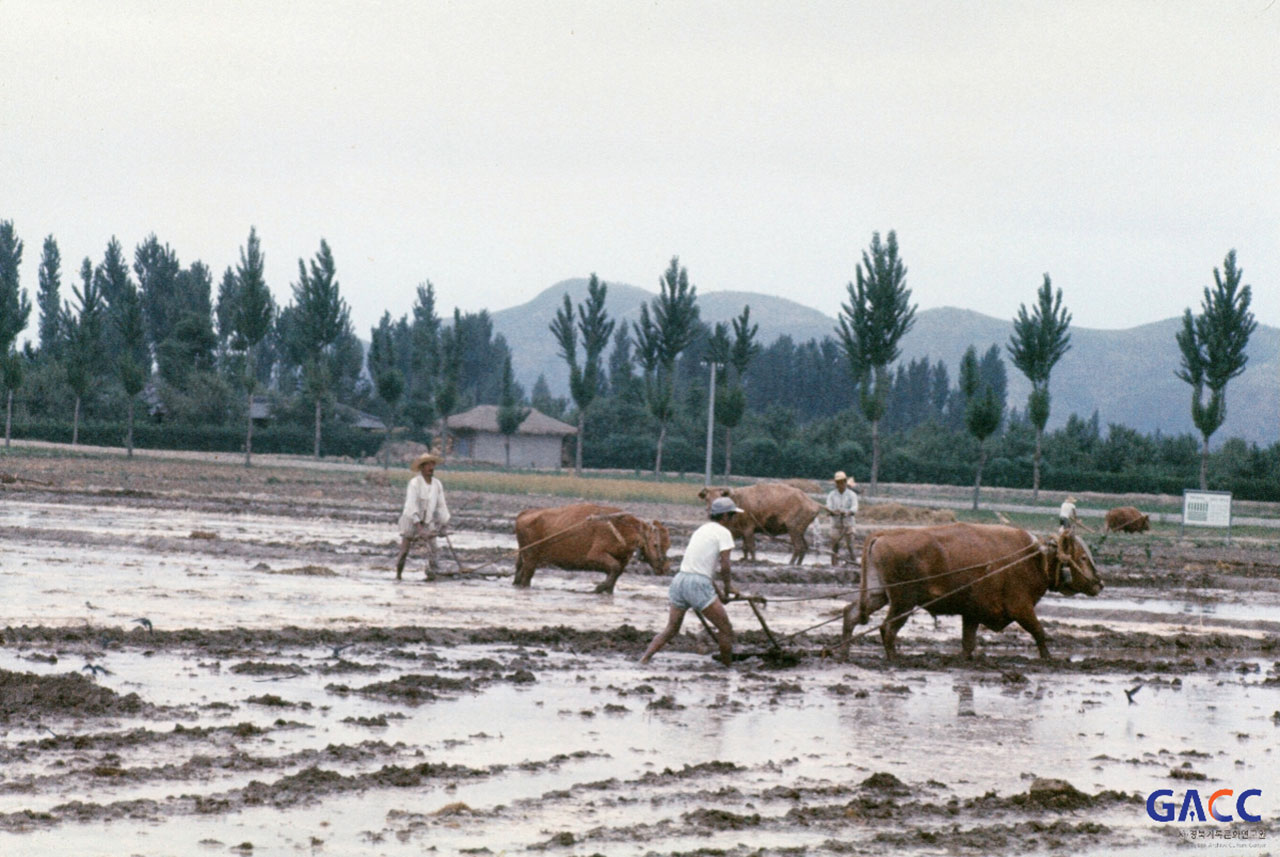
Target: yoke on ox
[987,574]
[586,537]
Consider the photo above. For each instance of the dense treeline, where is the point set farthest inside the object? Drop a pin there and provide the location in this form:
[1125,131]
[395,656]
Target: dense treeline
[925,441]
[154,336]
[196,359]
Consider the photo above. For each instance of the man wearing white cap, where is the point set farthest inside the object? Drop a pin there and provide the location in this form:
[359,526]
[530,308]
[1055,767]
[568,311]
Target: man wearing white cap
[693,589]
[842,505]
[425,513]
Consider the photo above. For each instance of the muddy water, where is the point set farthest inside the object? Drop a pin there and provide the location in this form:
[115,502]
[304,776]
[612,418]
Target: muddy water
[953,735]
[560,741]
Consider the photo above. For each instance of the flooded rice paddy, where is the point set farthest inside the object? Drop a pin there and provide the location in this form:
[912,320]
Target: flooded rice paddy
[286,696]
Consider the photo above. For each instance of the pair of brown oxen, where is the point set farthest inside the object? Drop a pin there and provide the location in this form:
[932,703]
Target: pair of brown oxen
[989,575]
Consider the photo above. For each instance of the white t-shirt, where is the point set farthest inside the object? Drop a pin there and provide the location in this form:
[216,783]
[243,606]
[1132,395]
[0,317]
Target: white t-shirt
[702,556]
[1068,510]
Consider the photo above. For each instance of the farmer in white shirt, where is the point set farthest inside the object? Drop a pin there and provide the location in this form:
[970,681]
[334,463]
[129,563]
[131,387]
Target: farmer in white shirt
[1067,515]
[425,513]
[842,505]
[693,589]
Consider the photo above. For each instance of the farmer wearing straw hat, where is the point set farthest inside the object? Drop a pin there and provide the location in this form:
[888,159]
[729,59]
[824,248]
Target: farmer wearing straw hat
[425,513]
[842,505]
[1067,518]
[693,588]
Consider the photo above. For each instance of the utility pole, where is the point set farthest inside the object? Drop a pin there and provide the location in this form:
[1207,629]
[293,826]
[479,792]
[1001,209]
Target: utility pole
[711,422]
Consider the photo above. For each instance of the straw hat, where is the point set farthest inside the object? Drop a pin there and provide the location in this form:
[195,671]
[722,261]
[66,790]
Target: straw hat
[425,458]
[840,477]
[1071,499]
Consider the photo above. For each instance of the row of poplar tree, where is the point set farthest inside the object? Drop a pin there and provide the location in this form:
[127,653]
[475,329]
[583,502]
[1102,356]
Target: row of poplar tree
[118,329]
[847,387]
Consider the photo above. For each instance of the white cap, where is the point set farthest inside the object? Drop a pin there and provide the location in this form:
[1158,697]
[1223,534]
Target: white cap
[723,506]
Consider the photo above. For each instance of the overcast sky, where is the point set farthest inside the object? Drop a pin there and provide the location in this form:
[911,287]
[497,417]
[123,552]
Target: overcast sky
[497,148]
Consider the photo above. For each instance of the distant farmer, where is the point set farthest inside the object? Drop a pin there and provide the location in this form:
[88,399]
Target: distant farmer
[842,505]
[692,588]
[1067,519]
[425,513]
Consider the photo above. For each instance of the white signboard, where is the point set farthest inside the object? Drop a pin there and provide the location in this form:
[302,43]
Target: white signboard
[1206,509]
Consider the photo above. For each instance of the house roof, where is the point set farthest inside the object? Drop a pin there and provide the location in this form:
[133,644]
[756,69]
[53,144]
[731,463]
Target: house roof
[360,419]
[260,408]
[485,418]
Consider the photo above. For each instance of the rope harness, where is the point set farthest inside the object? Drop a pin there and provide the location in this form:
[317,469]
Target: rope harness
[884,586]
[1065,559]
[1015,558]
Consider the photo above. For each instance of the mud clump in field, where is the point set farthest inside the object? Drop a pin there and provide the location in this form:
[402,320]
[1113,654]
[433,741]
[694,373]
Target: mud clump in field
[719,819]
[307,571]
[897,513]
[27,696]
[882,781]
[411,689]
[261,668]
[416,689]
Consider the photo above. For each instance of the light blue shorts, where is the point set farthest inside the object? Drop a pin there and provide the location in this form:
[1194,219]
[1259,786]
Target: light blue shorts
[691,591]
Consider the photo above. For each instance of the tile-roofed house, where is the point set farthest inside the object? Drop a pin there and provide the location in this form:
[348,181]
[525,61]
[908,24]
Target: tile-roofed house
[537,444]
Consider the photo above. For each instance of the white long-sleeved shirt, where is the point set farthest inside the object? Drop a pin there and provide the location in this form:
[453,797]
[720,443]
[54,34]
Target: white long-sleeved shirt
[842,501]
[424,504]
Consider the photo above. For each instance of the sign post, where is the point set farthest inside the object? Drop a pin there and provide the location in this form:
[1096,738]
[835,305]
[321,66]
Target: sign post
[1206,509]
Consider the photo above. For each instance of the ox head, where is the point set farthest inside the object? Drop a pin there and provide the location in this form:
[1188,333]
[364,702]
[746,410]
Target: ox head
[655,541]
[1070,566]
[706,495]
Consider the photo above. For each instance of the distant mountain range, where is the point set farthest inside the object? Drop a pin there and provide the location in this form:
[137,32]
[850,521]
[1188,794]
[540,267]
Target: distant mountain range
[1126,375]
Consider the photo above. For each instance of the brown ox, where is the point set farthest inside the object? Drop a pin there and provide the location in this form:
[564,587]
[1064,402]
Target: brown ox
[586,537]
[1126,519]
[771,508]
[987,574]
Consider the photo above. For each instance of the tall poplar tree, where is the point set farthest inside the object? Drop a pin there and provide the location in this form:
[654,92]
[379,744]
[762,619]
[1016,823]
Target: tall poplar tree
[133,361]
[983,408]
[320,319]
[15,310]
[595,327]
[510,412]
[49,298]
[1213,350]
[1039,340]
[446,385]
[11,380]
[422,360]
[731,399]
[251,320]
[112,279]
[388,380]
[84,341]
[661,336]
[879,313]
[156,266]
